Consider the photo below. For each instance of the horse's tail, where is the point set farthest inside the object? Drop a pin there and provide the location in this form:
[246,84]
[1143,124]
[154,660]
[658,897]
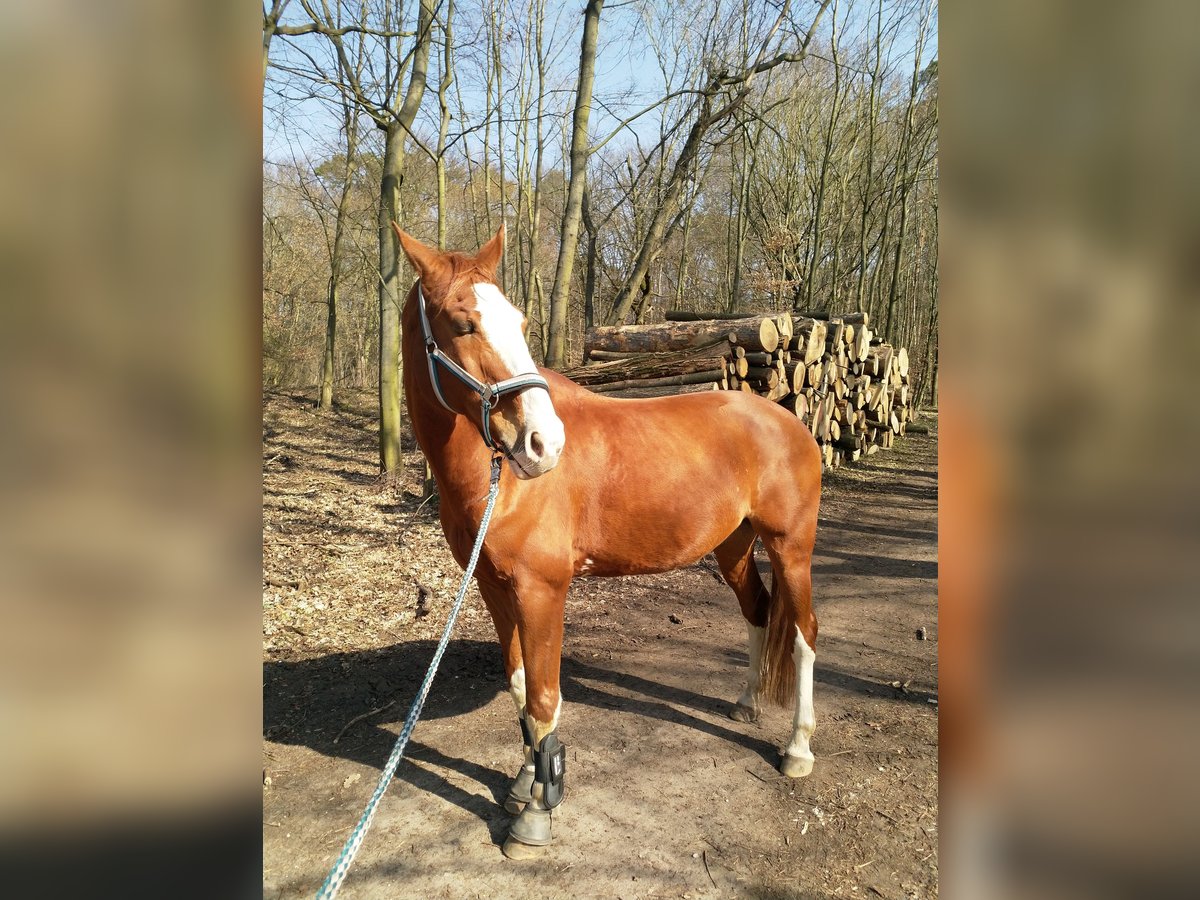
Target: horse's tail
[778,675]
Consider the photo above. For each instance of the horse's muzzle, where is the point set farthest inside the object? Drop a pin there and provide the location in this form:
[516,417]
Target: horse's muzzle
[537,451]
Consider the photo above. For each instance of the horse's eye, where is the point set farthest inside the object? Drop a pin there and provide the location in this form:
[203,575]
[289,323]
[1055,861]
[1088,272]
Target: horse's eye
[466,326]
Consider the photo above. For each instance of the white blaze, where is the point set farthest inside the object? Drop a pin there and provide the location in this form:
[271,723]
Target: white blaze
[500,323]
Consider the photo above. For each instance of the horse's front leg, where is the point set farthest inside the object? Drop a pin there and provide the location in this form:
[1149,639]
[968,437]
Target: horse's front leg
[539,614]
[501,603]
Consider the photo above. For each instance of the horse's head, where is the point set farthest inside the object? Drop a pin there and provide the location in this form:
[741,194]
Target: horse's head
[476,327]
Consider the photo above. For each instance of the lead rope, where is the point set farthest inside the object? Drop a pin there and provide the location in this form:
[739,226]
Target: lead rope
[338,873]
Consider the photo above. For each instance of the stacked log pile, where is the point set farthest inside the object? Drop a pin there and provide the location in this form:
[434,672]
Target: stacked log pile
[848,386]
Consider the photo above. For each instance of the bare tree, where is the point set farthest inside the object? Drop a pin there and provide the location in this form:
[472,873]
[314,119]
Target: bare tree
[393,108]
[572,209]
[722,94]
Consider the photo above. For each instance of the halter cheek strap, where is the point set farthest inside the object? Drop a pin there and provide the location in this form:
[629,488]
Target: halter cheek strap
[489,394]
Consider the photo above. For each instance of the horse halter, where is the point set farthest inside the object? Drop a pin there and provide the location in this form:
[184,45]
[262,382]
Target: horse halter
[489,394]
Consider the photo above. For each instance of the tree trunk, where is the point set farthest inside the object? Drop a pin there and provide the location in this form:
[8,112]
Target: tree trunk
[623,302]
[389,304]
[589,275]
[326,400]
[824,171]
[903,179]
[390,291]
[569,232]
[682,276]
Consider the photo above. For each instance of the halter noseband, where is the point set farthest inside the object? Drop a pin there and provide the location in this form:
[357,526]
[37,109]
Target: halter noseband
[489,394]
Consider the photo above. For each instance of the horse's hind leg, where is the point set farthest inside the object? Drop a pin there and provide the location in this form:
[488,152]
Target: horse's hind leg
[500,604]
[792,636]
[735,556]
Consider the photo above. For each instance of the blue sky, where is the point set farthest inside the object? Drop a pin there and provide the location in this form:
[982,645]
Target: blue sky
[627,76]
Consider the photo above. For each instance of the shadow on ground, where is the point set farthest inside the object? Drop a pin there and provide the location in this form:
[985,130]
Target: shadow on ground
[311,702]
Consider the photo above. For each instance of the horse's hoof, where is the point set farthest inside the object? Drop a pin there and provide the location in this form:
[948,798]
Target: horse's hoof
[531,827]
[742,713]
[514,849]
[796,766]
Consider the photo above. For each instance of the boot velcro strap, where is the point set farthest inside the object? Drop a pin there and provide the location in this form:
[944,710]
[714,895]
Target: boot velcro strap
[550,768]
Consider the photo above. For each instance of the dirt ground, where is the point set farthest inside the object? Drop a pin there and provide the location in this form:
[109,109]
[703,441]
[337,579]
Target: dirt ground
[666,796]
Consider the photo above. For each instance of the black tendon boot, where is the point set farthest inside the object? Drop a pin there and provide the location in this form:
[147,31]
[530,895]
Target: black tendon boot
[532,827]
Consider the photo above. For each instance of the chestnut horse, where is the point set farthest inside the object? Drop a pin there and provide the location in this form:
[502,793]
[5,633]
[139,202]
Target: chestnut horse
[601,486]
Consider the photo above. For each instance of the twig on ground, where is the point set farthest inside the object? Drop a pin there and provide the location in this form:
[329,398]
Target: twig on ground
[889,818]
[708,871]
[765,780]
[360,717]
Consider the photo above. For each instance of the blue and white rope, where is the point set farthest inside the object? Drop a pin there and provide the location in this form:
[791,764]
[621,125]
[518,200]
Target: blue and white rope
[338,873]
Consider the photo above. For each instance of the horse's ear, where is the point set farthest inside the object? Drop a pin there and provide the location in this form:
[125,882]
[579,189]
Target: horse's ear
[428,262]
[488,258]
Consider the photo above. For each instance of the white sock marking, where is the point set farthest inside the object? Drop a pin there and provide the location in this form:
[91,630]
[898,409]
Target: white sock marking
[516,689]
[541,729]
[805,722]
[755,637]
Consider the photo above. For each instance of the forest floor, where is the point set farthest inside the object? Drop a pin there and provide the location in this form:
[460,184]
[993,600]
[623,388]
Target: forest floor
[666,796]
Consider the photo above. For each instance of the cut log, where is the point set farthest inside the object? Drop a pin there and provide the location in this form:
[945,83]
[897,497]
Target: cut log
[821,418]
[833,336]
[816,343]
[760,359]
[794,374]
[783,324]
[850,442]
[684,315]
[779,392]
[755,334]
[800,406]
[902,359]
[862,343]
[875,395]
[649,365]
[668,381]
[854,318]
[610,355]
[763,373]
